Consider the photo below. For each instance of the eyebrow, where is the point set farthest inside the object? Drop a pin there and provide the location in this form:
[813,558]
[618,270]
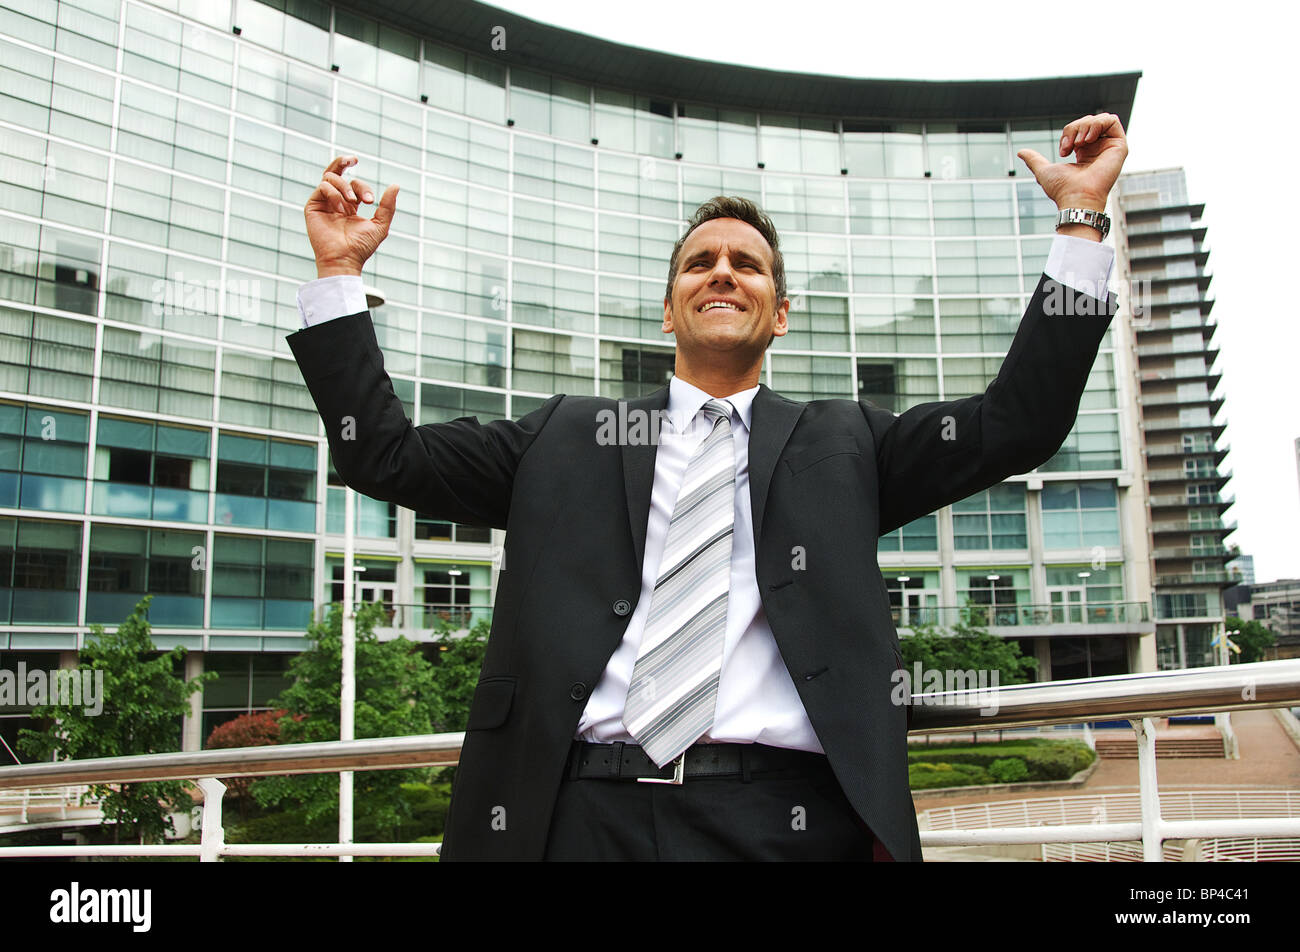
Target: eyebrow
[707,254]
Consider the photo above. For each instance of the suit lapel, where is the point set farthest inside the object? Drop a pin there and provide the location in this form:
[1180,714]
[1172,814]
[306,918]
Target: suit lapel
[639,473]
[772,422]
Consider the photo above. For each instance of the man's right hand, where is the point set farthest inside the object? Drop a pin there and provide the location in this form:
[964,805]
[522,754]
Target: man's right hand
[342,239]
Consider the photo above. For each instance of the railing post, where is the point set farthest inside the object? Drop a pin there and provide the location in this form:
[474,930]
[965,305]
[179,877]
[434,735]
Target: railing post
[1223,721]
[213,837]
[1148,791]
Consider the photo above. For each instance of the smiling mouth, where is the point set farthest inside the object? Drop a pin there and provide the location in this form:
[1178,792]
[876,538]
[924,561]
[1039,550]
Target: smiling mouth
[720,305]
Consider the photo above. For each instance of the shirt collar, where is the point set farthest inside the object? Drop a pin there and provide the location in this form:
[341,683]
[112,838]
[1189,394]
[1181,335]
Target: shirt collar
[685,401]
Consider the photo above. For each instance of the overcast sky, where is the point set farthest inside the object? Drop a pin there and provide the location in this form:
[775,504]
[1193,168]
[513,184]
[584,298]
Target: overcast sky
[1217,97]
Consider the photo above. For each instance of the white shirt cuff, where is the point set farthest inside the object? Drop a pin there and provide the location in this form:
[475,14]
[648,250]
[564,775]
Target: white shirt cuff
[327,298]
[1081,264]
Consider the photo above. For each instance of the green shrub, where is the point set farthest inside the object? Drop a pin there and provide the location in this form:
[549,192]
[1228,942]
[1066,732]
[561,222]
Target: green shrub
[1008,770]
[927,776]
[1054,760]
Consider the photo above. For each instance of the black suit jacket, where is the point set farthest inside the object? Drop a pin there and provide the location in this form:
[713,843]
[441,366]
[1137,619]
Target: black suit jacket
[829,476]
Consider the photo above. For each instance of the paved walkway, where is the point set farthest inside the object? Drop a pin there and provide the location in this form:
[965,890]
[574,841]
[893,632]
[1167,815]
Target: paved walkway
[1268,758]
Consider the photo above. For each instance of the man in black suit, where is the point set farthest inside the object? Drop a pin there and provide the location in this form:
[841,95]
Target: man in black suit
[692,644]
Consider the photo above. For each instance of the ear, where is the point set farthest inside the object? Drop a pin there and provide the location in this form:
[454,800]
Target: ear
[782,326]
[668,316]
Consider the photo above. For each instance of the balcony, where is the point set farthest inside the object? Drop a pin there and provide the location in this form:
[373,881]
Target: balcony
[1181,502]
[1170,349]
[1167,399]
[1182,476]
[1183,526]
[1165,325]
[1146,231]
[997,617]
[1193,552]
[418,622]
[1175,375]
[1174,450]
[1153,260]
[1173,424]
[1202,578]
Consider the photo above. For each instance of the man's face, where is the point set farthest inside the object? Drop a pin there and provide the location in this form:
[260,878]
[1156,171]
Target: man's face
[724,295]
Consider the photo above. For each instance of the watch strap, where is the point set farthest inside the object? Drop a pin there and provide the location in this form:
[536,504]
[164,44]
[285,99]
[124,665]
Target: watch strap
[1085,216]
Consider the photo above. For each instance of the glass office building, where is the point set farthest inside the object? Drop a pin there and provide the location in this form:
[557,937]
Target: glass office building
[1181,421]
[155,433]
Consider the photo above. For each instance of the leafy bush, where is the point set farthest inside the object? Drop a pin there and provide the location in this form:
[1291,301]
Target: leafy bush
[926,776]
[1055,760]
[1008,770]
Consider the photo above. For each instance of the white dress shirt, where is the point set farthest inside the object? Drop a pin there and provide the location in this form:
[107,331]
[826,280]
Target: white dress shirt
[757,701]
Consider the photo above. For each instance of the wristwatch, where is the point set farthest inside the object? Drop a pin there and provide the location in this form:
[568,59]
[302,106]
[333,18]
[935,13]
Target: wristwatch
[1085,216]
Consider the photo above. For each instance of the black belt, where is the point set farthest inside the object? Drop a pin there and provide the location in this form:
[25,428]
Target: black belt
[621,761]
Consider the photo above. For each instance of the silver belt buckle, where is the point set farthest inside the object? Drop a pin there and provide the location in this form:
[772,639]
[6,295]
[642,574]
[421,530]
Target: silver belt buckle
[679,772]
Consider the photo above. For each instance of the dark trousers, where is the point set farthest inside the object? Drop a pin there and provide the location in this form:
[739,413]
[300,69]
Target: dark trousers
[793,815]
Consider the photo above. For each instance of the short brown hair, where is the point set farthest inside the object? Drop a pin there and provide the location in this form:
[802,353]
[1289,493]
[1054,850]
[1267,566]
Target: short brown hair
[723,206]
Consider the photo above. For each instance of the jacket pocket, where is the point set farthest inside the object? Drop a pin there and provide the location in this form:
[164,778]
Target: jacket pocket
[491,705]
[822,449]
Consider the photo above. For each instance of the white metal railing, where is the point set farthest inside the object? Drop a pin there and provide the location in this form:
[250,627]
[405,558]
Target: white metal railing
[1088,808]
[1134,697]
[18,807]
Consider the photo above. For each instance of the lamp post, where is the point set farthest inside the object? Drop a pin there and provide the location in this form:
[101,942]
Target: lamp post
[348,674]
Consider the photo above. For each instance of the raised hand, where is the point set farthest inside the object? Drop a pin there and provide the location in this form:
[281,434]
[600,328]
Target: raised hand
[1099,148]
[341,239]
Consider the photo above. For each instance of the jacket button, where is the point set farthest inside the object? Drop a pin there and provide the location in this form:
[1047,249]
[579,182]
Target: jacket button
[622,607]
[578,691]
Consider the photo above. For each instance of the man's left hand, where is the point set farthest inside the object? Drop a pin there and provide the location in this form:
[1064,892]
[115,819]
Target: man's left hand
[1099,147]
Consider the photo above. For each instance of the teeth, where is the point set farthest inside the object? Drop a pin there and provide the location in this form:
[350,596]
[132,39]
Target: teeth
[713,304]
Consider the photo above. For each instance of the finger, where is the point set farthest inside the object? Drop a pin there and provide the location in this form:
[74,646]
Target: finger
[362,189]
[340,183]
[1070,134]
[1097,127]
[330,197]
[340,163]
[387,208]
[1034,160]
[1110,126]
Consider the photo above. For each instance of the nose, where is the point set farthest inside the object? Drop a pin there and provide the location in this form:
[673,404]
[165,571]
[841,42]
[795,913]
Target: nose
[722,271]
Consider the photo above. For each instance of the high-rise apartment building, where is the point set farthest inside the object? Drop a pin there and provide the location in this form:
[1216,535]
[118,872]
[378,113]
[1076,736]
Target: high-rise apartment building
[1167,258]
[155,434]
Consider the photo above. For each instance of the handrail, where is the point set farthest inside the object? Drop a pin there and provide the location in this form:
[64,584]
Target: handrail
[1234,687]
[380,753]
[1121,697]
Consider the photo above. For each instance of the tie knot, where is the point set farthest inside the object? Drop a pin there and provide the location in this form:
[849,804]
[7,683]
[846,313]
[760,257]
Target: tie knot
[716,409]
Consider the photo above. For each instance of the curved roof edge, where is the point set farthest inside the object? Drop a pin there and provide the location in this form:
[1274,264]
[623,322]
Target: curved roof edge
[468,25]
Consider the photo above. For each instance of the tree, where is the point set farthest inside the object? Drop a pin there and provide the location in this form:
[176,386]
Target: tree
[259,729]
[143,702]
[456,671]
[1253,637]
[396,695]
[967,647]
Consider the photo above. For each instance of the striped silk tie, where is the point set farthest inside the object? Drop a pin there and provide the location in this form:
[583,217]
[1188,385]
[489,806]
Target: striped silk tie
[674,688]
